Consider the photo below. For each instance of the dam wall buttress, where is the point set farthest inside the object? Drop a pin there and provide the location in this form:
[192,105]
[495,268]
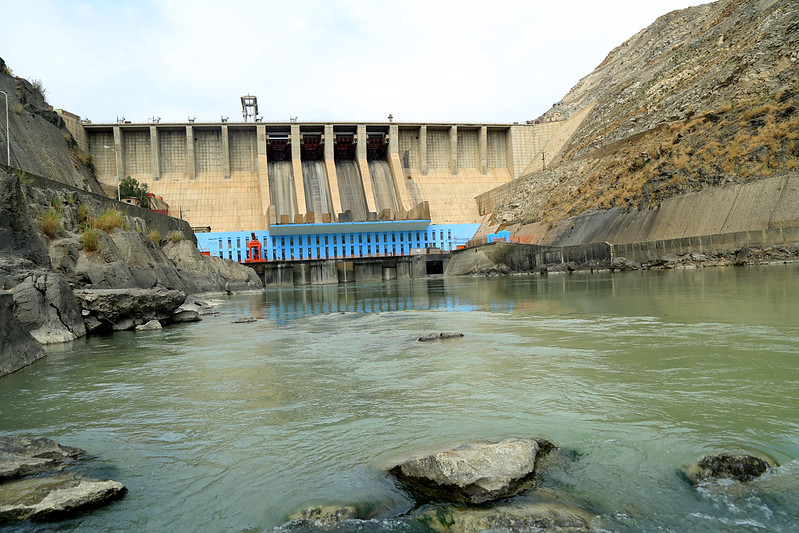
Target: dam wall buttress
[220,175]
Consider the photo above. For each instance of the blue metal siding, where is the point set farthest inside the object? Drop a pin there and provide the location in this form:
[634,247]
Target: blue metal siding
[233,244]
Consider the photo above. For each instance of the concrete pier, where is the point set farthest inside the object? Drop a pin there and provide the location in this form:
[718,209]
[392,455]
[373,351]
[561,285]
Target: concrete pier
[334,271]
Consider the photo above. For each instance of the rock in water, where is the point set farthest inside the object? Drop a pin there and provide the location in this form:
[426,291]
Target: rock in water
[437,336]
[149,326]
[474,473]
[726,466]
[22,456]
[30,491]
[17,347]
[517,517]
[324,517]
[50,498]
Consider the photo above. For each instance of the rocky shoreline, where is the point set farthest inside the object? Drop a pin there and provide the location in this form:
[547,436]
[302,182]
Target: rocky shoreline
[57,285]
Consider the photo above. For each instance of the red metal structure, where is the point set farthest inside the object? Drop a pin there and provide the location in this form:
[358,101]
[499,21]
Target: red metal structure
[253,250]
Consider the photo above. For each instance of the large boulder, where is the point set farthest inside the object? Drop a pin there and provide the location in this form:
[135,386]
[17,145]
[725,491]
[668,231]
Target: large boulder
[129,306]
[45,304]
[320,517]
[739,467]
[18,237]
[474,473]
[18,348]
[212,274]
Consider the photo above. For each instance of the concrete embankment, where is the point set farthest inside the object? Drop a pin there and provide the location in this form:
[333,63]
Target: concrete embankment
[744,247]
[763,204]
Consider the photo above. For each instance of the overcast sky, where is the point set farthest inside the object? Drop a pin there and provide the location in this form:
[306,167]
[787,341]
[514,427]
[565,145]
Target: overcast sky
[319,60]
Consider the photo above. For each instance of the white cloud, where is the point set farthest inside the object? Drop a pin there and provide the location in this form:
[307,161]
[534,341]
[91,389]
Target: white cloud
[347,60]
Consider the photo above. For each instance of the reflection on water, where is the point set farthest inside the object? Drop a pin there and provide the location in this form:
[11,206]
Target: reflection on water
[221,426]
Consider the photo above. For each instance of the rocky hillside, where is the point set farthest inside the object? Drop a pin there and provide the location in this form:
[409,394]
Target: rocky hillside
[73,262]
[40,142]
[704,96]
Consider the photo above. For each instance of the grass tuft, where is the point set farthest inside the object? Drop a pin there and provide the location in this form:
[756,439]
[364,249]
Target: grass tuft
[91,239]
[50,222]
[109,220]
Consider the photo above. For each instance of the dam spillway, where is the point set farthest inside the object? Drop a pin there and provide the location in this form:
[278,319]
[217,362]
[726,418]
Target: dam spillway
[317,194]
[353,198]
[281,188]
[250,176]
[383,185]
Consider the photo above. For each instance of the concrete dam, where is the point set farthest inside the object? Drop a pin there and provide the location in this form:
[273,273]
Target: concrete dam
[250,176]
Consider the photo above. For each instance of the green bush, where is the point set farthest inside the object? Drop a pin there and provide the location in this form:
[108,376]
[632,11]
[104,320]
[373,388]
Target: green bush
[176,236]
[50,222]
[155,236]
[91,239]
[109,220]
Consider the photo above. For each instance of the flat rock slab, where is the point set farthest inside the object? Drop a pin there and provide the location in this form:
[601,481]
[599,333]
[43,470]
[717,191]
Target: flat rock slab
[114,304]
[22,456]
[52,498]
[473,473]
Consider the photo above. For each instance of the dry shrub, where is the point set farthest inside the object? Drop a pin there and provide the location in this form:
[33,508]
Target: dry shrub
[176,236]
[155,236]
[91,239]
[109,220]
[50,222]
[83,214]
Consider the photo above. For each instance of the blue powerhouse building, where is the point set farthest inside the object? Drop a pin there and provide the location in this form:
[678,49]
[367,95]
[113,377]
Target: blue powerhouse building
[301,242]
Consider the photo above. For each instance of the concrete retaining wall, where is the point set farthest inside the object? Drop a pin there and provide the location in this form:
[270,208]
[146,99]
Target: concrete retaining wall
[164,224]
[761,204]
[526,257]
[718,243]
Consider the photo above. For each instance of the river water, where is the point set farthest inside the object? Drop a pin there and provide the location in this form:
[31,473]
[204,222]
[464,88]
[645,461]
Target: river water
[218,426]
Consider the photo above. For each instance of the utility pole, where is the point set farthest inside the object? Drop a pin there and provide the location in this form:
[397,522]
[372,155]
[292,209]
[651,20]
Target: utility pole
[8,134]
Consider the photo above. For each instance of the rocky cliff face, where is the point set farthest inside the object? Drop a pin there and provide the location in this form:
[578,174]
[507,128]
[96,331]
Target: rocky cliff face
[704,96]
[40,142]
[64,248]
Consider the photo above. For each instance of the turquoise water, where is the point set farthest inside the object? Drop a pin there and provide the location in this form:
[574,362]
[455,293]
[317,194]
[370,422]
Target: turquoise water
[218,426]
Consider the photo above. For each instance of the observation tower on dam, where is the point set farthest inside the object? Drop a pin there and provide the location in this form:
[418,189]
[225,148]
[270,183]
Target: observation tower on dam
[305,180]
